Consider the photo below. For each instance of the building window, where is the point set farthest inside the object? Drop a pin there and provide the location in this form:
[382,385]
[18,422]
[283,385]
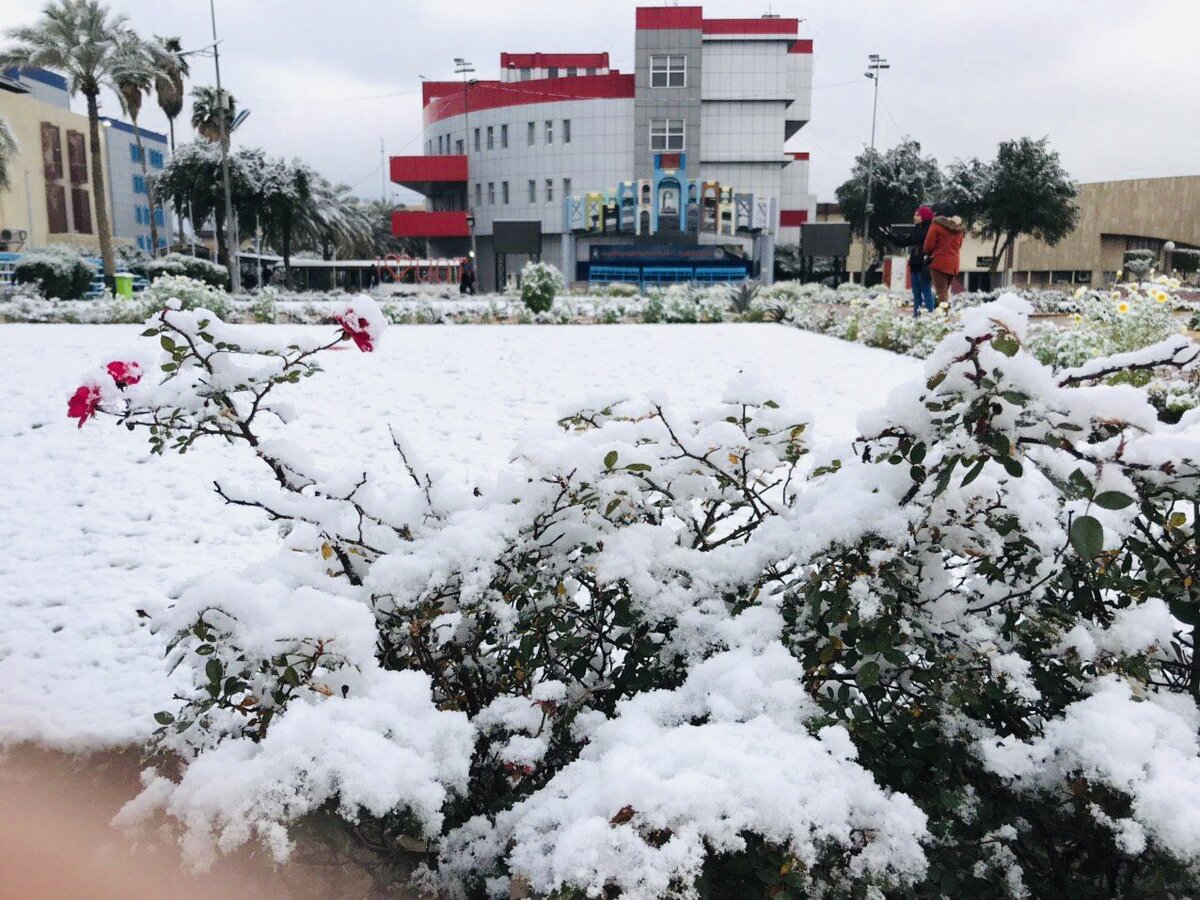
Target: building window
[491,193]
[81,210]
[158,217]
[566,187]
[566,131]
[553,71]
[504,192]
[139,184]
[532,191]
[491,138]
[133,154]
[476,140]
[525,75]
[458,146]
[571,73]
[503,137]
[156,159]
[591,70]
[549,131]
[666,134]
[77,159]
[478,194]
[549,190]
[668,71]
[532,134]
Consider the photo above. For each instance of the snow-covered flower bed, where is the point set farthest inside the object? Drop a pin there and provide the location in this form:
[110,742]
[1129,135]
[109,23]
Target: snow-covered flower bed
[666,652]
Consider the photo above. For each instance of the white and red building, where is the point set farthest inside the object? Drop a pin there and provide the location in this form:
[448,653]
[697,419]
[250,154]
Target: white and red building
[678,165]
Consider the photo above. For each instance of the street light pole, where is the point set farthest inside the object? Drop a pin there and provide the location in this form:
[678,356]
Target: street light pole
[235,273]
[875,64]
[464,68]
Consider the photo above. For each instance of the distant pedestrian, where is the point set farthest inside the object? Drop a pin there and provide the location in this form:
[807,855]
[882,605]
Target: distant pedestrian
[918,271]
[466,281]
[943,244]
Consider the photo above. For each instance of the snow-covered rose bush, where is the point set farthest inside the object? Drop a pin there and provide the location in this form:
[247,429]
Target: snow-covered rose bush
[661,655]
[540,284]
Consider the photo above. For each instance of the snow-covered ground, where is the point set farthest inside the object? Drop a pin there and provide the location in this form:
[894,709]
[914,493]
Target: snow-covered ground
[92,528]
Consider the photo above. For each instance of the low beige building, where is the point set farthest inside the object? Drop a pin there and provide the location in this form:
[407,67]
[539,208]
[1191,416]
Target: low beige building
[50,198]
[1114,216]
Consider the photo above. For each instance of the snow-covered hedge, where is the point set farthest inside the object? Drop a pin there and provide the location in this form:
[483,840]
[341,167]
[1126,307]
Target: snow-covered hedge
[56,271]
[663,654]
[180,264]
[540,284]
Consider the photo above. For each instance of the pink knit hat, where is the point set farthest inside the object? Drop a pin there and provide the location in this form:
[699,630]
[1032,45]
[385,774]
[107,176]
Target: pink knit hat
[926,213]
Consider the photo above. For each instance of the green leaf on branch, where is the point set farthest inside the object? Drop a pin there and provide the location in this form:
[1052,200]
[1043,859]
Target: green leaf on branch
[610,459]
[213,670]
[638,467]
[163,718]
[1087,537]
[1112,500]
[1006,343]
[612,504]
[868,674]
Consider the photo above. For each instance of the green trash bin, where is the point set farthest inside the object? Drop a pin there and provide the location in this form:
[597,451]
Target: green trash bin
[124,282]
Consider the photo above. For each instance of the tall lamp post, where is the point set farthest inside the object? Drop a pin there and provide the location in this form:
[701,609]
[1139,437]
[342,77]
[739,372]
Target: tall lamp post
[875,65]
[464,68]
[231,240]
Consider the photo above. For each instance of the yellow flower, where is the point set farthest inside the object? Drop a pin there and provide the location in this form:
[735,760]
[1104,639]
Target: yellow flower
[1078,318]
[1161,297]
[1116,295]
[1078,293]
[1122,308]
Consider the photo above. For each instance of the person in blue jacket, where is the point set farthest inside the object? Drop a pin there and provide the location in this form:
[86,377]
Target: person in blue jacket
[918,266]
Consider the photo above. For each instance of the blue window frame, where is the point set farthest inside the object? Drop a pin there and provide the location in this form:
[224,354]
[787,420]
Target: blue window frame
[139,184]
[141,242]
[133,154]
[162,242]
[158,217]
[137,214]
[156,159]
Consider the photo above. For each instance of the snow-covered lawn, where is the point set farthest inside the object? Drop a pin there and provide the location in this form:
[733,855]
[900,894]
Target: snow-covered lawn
[92,528]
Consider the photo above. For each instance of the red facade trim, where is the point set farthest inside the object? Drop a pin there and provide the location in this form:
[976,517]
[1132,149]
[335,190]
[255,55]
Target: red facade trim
[446,98]
[417,223]
[804,46]
[782,27]
[801,155]
[680,17]
[428,168]
[559,60]
[792,218]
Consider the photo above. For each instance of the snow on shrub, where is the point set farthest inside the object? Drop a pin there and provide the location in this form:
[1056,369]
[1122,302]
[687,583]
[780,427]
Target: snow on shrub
[540,284]
[656,655]
[192,266]
[60,272]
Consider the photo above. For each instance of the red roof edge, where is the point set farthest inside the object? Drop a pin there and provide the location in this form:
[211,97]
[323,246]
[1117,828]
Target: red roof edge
[783,27]
[410,169]
[422,223]
[804,46]
[801,155]
[496,94]
[681,17]
[792,218]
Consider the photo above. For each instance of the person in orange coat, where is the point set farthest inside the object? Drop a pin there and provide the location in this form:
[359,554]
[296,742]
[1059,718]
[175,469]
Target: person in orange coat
[942,246]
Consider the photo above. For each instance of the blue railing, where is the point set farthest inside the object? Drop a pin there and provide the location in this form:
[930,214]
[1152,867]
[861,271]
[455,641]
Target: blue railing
[652,276]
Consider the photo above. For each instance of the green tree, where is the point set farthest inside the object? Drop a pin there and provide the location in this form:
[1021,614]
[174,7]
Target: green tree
[208,113]
[286,198]
[133,79]
[966,189]
[1030,193]
[82,39]
[903,179]
[170,69]
[338,222]
[8,152]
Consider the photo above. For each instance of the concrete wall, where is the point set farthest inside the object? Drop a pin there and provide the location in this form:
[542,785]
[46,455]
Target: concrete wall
[122,171]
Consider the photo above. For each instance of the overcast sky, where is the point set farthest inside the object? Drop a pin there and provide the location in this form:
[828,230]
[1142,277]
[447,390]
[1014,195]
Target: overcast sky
[1112,82]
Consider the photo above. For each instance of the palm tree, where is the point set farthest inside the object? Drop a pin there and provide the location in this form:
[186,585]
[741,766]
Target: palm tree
[170,68]
[286,197]
[337,221]
[81,39]
[207,114]
[8,152]
[132,78]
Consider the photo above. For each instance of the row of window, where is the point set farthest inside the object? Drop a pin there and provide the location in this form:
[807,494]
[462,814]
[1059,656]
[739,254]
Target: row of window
[142,214]
[144,242]
[533,191]
[156,158]
[486,138]
[556,72]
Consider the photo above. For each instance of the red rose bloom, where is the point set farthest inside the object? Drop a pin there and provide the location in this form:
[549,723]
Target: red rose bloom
[83,403]
[125,373]
[357,329]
